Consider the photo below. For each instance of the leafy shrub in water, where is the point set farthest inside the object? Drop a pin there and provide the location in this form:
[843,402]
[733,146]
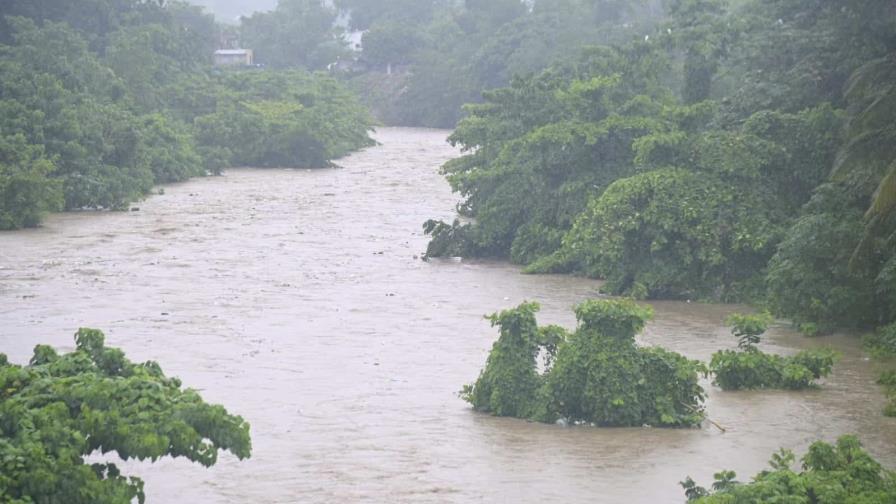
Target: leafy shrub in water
[749,368]
[888,380]
[596,374]
[748,328]
[601,376]
[883,342]
[448,240]
[842,473]
[59,409]
[510,381]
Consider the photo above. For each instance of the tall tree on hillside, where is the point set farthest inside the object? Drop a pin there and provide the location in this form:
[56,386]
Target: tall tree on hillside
[298,33]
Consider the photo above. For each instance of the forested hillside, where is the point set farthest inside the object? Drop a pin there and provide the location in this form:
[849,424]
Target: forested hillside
[444,53]
[742,150]
[102,99]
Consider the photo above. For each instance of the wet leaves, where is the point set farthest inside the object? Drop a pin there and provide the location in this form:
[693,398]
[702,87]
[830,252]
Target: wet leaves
[595,375]
[61,408]
[838,473]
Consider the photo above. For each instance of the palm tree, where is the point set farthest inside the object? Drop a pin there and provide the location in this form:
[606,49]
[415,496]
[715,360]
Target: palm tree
[871,148]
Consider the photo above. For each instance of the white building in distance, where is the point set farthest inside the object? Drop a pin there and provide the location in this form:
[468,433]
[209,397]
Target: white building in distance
[234,57]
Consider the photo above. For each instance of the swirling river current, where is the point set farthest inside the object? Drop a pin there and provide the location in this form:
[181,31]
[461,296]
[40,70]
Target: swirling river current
[297,299]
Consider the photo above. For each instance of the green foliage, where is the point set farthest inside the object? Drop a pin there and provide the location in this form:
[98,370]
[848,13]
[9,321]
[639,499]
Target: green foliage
[749,368]
[168,148]
[59,409]
[748,328]
[842,262]
[809,279]
[696,163]
[26,190]
[595,168]
[93,116]
[448,240]
[882,342]
[840,473]
[888,380]
[297,34]
[390,43]
[596,374]
[537,150]
[284,119]
[449,52]
[675,232]
[753,369]
[508,386]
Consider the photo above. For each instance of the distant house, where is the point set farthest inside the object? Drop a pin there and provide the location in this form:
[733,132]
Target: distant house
[234,57]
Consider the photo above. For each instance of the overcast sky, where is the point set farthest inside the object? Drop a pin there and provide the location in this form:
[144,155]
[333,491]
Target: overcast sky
[230,10]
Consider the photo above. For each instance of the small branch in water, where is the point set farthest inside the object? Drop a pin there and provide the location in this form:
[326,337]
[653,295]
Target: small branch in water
[710,420]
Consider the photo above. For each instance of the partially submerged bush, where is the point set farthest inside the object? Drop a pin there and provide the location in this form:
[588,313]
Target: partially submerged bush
[750,368]
[888,380]
[841,473]
[596,375]
[748,329]
[510,381]
[883,342]
[753,369]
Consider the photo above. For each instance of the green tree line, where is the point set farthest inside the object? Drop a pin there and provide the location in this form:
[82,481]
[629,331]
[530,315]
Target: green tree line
[419,61]
[448,52]
[103,99]
[743,150]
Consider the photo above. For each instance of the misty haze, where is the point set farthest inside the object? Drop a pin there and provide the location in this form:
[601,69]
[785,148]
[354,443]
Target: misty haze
[447,251]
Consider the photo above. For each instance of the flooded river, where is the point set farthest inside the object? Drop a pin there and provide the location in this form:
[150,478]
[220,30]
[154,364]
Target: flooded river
[295,298]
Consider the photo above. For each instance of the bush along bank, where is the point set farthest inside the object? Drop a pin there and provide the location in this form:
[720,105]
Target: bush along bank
[744,151]
[93,115]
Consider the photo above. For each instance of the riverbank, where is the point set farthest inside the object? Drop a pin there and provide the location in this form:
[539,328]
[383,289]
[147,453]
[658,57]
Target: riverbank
[294,297]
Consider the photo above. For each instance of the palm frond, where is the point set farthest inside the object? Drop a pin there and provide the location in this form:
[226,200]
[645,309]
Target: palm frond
[883,203]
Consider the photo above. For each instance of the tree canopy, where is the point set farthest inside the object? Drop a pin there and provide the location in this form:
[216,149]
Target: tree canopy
[94,115]
[595,375]
[842,472]
[59,409]
[738,151]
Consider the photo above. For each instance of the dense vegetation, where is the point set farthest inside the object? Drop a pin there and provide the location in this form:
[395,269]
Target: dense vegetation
[842,473]
[59,409]
[750,368]
[102,99]
[418,61]
[742,150]
[595,375]
[882,345]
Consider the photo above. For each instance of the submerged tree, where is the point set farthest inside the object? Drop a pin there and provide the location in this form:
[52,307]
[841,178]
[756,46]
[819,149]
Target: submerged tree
[596,374]
[508,386]
[61,408]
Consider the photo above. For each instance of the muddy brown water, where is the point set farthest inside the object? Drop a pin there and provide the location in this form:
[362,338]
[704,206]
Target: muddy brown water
[294,298]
